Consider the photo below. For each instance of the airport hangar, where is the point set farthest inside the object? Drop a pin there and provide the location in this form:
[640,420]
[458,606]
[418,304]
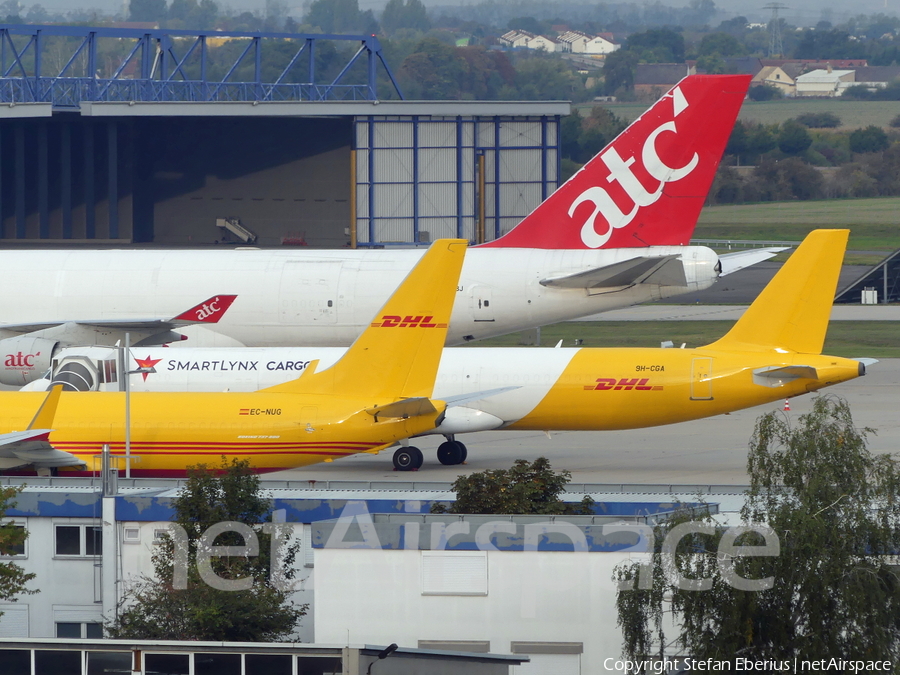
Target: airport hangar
[155,137]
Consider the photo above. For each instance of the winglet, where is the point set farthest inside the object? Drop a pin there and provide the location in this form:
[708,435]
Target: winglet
[645,188]
[45,414]
[208,311]
[398,355]
[793,310]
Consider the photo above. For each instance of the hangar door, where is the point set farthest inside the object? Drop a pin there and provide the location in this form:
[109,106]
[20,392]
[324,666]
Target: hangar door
[423,178]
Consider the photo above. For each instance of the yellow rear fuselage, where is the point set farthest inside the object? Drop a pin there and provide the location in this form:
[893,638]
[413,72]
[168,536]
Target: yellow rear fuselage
[170,432]
[606,389]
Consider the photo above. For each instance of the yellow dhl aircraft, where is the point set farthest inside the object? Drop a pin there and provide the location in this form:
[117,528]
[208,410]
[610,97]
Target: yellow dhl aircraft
[377,394]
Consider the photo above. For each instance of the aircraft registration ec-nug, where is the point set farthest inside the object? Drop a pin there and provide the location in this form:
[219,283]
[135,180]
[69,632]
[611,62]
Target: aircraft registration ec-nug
[773,351]
[615,234]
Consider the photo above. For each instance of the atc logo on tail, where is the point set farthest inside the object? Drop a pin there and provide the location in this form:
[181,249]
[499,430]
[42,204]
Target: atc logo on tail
[209,311]
[645,188]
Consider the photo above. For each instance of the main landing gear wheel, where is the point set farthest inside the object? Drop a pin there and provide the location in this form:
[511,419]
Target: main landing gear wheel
[451,453]
[408,459]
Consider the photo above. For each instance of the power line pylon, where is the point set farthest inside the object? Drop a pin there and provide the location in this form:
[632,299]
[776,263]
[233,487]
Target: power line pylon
[776,45]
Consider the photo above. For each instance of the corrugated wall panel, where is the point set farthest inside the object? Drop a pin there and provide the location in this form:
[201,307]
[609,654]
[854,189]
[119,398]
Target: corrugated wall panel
[393,201]
[393,135]
[520,166]
[437,199]
[437,134]
[394,230]
[437,164]
[393,166]
[519,134]
[437,228]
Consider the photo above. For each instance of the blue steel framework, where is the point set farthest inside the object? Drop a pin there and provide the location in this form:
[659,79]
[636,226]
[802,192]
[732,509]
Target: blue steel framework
[153,70]
[467,149]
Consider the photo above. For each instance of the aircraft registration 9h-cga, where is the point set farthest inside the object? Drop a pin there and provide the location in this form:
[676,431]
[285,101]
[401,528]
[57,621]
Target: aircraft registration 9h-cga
[613,235]
[772,352]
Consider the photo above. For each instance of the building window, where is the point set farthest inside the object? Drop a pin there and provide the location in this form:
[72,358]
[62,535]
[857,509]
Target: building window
[78,540]
[14,551]
[78,630]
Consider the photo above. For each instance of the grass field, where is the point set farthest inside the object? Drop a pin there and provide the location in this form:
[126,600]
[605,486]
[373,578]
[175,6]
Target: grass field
[853,114]
[874,339]
[874,223]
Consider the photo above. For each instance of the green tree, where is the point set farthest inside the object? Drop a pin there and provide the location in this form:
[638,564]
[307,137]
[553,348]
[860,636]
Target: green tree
[793,139]
[869,139]
[147,10]
[524,488]
[433,71]
[13,579]
[831,591]
[249,601]
[722,44]
[658,45]
[545,78]
[411,14]
[618,71]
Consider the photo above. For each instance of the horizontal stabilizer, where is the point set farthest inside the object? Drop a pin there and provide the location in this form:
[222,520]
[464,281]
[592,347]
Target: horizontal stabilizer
[404,408]
[776,376]
[732,262]
[663,270]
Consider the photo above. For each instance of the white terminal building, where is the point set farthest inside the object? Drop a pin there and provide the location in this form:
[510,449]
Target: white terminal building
[375,566]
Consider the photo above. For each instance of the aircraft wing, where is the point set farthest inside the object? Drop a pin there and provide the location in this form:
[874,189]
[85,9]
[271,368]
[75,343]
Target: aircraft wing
[158,331]
[732,262]
[664,270]
[407,407]
[461,399]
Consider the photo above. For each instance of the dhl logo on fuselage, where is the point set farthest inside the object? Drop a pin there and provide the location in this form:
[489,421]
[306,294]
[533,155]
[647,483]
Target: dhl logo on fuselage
[624,384]
[388,321]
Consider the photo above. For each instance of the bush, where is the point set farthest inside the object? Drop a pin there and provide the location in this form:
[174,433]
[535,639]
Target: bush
[870,139]
[824,120]
[895,123]
[764,92]
[793,138]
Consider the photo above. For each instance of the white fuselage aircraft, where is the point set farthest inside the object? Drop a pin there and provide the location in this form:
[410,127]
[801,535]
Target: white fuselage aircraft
[613,235]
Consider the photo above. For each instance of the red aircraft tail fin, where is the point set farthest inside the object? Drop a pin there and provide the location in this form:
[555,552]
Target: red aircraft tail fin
[208,311]
[645,188]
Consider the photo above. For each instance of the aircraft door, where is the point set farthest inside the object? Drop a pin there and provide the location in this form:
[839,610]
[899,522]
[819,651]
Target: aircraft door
[309,292]
[482,303]
[701,379]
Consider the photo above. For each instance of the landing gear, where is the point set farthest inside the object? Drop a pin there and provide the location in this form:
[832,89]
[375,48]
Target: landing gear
[451,453]
[408,459]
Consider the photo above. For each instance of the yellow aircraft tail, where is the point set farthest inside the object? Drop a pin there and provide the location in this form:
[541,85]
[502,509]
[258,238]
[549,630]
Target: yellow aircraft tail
[793,310]
[398,355]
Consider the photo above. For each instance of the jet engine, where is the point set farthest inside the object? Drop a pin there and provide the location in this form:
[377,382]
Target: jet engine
[25,359]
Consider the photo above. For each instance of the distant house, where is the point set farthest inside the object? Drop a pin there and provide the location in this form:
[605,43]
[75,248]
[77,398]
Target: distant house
[652,80]
[825,82]
[516,38]
[748,65]
[576,42]
[548,44]
[877,77]
[776,77]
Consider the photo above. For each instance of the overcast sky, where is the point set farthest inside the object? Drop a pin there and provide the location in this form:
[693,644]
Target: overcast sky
[799,12]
